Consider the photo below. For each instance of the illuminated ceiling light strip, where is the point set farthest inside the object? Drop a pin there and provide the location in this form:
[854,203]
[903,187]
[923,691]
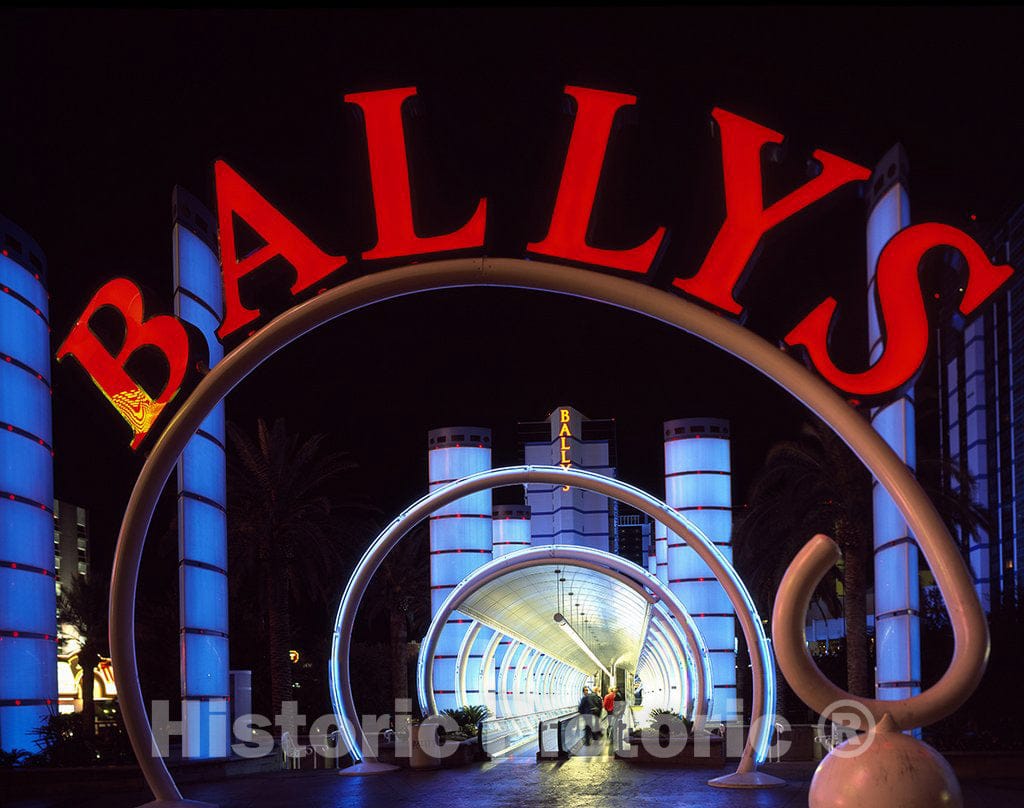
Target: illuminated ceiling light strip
[576,638]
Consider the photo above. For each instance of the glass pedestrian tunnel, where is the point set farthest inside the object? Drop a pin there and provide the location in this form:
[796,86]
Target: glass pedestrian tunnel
[525,633]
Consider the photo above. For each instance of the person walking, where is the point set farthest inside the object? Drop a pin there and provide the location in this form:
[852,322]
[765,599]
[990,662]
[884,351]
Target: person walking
[609,707]
[590,712]
[619,709]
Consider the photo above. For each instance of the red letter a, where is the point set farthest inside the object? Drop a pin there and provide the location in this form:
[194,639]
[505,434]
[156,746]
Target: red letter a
[567,233]
[389,175]
[747,219]
[235,195]
[165,333]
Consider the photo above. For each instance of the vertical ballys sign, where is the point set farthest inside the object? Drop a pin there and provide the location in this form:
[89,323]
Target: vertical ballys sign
[899,298]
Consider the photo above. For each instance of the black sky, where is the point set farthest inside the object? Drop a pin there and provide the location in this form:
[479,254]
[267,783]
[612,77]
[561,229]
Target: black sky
[106,111]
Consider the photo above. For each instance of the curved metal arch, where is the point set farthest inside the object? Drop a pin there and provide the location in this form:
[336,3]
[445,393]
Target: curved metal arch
[970,629]
[487,672]
[689,648]
[502,685]
[530,683]
[665,675]
[674,660]
[656,681]
[538,683]
[756,749]
[697,657]
[682,674]
[523,668]
[462,663]
[691,636]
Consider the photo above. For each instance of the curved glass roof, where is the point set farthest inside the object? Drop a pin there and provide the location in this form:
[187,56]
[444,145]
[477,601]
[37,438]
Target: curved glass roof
[611,617]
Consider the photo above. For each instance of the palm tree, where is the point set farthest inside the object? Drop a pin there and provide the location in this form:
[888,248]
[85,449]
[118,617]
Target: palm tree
[403,591]
[284,535]
[813,484]
[84,606]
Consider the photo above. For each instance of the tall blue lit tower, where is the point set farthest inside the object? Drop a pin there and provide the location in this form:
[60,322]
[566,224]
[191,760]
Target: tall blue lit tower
[28,594]
[510,528]
[897,592]
[460,539]
[202,500]
[698,484]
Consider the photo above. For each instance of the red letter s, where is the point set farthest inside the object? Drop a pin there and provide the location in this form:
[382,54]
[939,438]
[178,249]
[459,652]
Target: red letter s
[901,309]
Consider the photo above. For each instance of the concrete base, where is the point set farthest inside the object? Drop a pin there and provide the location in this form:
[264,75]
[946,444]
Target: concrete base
[753,779]
[367,767]
[178,804]
[884,767]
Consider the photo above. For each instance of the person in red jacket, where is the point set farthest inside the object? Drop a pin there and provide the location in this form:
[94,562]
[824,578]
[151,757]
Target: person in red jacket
[609,707]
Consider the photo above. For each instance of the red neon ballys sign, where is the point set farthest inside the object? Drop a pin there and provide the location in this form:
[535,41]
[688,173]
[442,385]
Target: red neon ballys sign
[900,300]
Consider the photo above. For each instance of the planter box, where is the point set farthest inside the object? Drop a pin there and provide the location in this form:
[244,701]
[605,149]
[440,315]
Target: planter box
[708,754]
[468,751]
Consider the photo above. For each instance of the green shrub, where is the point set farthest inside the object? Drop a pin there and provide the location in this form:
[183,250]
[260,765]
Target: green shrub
[468,717]
[660,715]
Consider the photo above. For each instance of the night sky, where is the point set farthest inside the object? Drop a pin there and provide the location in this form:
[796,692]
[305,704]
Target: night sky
[106,111]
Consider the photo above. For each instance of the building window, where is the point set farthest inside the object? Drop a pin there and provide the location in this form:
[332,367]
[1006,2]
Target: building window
[83,568]
[82,544]
[56,563]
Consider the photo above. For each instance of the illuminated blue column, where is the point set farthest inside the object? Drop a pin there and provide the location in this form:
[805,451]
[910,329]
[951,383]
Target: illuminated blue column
[698,484]
[28,610]
[202,498]
[897,601]
[510,529]
[976,454]
[460,539]
[661,552]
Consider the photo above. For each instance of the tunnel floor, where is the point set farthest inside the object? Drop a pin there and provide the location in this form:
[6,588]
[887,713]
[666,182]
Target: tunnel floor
[594,780]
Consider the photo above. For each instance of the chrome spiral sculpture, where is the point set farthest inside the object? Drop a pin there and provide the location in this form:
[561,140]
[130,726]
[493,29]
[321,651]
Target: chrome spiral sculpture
[927,775]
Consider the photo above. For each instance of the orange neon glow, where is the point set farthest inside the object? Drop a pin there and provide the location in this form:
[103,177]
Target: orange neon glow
[389,176]
[236,197]
[747,219]
[900,304]
[163,332]
[570,220]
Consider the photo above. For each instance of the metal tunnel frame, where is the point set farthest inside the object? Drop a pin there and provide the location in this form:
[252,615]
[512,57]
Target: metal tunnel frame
[679,641]
[688,644]
[763,708]
[940,551]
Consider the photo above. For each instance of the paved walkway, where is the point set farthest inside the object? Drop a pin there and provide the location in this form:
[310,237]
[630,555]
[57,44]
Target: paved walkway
[590,781]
